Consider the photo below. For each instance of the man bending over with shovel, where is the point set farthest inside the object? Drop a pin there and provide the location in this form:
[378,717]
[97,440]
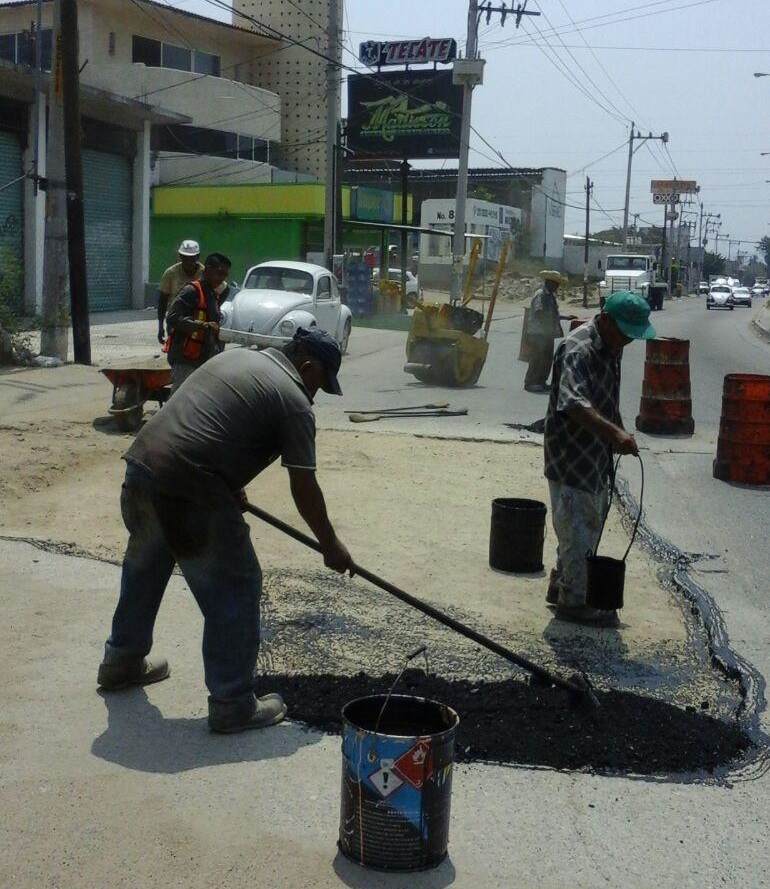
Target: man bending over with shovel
[181,503]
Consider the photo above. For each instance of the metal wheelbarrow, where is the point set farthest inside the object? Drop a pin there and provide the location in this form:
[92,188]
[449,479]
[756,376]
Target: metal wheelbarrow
[131,387]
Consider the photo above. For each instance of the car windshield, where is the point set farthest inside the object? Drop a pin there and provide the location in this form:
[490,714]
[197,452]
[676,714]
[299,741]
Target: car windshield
[279,278]
[720,288]
[626,264]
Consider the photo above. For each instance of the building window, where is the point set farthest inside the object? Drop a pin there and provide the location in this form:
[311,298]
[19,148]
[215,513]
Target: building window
[206,63]
[176,57]
[179,138]
[19,48]
[156,54]
[146,51]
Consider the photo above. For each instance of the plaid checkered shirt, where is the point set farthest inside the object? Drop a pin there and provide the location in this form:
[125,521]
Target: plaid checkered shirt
[585,374]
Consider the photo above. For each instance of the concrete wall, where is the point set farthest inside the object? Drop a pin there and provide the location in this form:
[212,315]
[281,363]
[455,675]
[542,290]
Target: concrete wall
[574,252]
[298,76]
[547,219]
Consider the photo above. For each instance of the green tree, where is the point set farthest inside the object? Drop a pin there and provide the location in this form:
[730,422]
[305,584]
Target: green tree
[764,246]
[713,264]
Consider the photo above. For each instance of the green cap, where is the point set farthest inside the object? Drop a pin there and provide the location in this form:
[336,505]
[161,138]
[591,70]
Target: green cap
[631,312]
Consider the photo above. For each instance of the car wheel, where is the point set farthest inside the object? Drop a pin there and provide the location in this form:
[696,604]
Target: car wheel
[345,337]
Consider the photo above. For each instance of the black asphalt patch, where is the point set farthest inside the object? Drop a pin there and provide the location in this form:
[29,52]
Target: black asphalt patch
[509,722]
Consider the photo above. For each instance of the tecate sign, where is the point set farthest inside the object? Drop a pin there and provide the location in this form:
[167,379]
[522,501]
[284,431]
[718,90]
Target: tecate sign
[407,52]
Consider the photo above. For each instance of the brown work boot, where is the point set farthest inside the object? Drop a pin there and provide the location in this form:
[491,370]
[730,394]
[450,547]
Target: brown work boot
[229,717]
[552,594]
[119,671]
[585,614]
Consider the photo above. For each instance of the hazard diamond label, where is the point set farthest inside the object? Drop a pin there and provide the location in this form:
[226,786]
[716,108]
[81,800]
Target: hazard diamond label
[416,765]
[385,781]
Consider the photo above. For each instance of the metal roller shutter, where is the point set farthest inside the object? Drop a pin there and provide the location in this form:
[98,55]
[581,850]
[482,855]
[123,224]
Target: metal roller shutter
[11,209]
[107,207]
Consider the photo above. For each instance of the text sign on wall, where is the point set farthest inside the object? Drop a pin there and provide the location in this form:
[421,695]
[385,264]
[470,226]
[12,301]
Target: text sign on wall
[674,186]
[407,52]
[404,114]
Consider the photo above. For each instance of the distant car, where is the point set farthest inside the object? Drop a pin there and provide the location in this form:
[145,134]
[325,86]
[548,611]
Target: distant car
[720,296]
[758,290]
[413,292]
[703,287]
[277,298]
[741,296]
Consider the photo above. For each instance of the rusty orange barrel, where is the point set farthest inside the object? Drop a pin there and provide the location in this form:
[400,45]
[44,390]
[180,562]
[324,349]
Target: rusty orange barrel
[743,446]
[666,405]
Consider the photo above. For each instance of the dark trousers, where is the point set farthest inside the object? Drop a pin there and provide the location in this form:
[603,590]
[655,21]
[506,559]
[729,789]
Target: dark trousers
[541,358]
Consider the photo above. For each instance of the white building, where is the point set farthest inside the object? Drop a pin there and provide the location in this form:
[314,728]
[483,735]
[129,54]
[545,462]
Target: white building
[166,96]
[490,222]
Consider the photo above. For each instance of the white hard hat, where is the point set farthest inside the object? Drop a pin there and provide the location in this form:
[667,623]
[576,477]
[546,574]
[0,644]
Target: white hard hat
[189,248]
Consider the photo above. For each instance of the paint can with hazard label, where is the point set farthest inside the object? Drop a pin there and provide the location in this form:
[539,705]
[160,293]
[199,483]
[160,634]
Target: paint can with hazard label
[397,755]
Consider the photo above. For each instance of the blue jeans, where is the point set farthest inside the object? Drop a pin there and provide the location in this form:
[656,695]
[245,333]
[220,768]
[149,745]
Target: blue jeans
[214,551]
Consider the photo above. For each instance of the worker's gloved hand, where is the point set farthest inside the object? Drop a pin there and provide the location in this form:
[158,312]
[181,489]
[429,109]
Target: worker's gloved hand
[337,557]
[213,327]
[161,334]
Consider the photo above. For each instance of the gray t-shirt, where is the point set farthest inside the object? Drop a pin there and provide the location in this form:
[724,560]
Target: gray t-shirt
[228,421]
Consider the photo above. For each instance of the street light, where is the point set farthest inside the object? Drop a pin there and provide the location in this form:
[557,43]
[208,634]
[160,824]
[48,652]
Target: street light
[640,138]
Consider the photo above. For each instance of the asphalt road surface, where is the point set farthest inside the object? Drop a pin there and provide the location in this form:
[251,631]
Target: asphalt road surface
[715,532]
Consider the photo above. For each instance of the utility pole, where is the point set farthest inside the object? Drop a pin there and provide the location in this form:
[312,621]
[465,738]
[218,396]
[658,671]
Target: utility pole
[589,186]
[333,42]
[74,174]
[632,137]
[468,73]
[54,323]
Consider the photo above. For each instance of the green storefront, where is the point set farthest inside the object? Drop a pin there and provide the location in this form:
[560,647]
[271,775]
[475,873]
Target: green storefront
[255,223]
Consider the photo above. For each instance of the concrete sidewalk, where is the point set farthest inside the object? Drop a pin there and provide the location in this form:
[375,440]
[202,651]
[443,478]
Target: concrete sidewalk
[131,790]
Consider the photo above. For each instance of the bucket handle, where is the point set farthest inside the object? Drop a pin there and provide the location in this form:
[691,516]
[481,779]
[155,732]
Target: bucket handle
[609,504]
[421,649]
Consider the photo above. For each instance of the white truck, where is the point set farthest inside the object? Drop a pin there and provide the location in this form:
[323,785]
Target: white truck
[633,271]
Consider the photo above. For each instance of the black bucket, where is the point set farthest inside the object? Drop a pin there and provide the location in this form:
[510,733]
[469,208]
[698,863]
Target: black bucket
[605,581]
[517,535]
[397,755]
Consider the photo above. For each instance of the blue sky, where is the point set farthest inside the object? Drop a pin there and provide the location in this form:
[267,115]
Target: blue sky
[562,89]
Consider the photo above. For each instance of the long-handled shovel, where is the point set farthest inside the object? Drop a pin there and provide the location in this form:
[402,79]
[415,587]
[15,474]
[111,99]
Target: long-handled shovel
[576,685]
[394,415]
[409,407]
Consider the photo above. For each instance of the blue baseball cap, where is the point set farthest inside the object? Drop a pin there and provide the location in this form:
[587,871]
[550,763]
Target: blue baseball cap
[322,346]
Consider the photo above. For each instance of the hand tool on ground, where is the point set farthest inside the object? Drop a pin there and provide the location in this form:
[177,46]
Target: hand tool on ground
[409,407]
[366,418]
[577,685]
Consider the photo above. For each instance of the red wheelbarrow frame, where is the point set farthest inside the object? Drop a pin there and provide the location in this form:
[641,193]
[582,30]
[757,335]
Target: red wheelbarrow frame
[131,387]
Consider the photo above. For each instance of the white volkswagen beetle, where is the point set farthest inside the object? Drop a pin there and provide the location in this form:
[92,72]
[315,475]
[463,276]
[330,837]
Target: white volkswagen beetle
[277,298]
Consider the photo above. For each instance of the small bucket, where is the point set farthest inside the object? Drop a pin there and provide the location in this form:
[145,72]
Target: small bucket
[397,754]
[605,582]
[606,577]
[517,535]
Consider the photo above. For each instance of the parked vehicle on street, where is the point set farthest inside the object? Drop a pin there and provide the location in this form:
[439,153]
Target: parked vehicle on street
[741,296]
[633,271]
[720,296]
[758,290]
[703,287]
[764,283]
[413,292]
[277,298]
